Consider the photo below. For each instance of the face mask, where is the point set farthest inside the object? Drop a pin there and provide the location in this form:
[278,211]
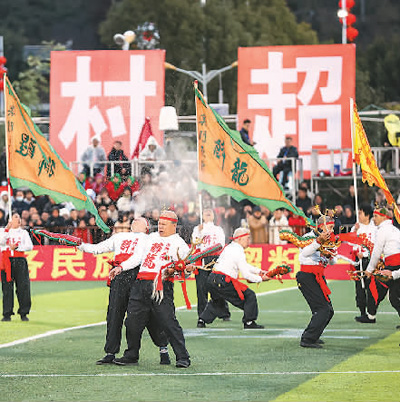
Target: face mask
[19,198]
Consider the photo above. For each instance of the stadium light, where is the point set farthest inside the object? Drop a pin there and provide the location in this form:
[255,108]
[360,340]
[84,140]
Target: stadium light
[124,40]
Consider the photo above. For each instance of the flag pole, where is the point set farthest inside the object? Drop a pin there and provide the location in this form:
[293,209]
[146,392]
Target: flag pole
[354,174]
[196,83]
[6,145]
[352,156]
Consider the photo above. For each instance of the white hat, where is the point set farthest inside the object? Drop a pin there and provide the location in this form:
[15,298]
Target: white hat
[152,141]
[3,193]
[64,211]
[90,192]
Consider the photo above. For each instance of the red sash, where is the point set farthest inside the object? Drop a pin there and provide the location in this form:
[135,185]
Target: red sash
[318,271]
[5,264]
[240,287]
[392,260]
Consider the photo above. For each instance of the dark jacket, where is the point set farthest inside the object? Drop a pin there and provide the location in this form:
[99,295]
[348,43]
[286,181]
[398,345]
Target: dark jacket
[245,136]
[118,155]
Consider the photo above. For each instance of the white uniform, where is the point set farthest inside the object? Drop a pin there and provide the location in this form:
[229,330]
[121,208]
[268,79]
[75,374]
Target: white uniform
[310,255]
[233,260]
[387,243]
[121,243]
[210,233]
[159,251]
[15,236]
[370,232]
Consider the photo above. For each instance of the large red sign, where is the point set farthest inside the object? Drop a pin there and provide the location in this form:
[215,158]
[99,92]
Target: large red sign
[297,91]
[107,94]
[47,263]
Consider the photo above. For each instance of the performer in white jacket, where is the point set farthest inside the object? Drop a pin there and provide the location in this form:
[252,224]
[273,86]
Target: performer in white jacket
[14,241]
[224,284]
[387,243]
[128,248]
[163,247]
[209,235]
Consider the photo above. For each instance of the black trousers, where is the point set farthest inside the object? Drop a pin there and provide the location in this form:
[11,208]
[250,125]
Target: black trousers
[141,306]
[202,292]
[221,290]
[284,167]
[394,290]
[364,300]
[120,288]
[321,308]
[19,275]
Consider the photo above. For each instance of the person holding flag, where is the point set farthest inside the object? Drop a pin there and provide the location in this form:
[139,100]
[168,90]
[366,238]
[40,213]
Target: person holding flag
[387,243]
[206,235]
[224,285]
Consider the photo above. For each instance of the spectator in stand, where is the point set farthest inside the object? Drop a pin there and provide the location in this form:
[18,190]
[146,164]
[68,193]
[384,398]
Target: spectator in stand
[83,232]
[92,158]
[40,202]
[277,222]
[386,165]
[25,217]
[337,215]
[115,187]
[72,222]
[4,203]
[231,222]
[82,214]
[117,154]
[3,221]
[283,165]
[318,200]
[29,198]
[244,133]
[56,222]
[44,216]
[133,184]
[123,223]
[258,226]
[124,203]
[154,217]
[349,219]
[103,198]
[98,183]
[298,224]
[152,151]
[18,204]
[303,201]
[350,198]
[112,212]
[97,233]
[3,164]
[50,205]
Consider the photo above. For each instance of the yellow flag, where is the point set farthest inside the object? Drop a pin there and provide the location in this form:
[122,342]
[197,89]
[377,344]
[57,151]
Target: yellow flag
[364,157]
[228,166]
[33,162]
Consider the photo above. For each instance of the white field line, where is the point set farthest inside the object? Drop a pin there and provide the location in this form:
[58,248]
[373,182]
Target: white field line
[62,330]
[198,374]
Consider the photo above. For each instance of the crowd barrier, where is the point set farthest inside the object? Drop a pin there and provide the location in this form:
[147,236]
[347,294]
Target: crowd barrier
[62,263]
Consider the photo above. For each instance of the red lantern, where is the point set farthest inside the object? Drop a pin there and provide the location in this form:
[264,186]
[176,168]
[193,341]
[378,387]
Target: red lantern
[3,70]
[351,19]
[352,33]
[349,4]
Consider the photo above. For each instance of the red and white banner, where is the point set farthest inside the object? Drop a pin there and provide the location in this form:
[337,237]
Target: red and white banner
[104,93]
[297,91]
[59,263]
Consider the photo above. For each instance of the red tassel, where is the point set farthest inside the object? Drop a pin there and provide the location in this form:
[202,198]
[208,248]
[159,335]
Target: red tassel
[373,289]
[185,295]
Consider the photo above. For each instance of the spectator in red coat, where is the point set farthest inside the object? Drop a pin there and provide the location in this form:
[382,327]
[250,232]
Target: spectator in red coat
[98,184]
[133,184]
[83,232]
[298,224]
[114,187]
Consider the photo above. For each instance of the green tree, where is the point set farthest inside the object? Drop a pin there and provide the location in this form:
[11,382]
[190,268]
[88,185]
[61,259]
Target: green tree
[193,34]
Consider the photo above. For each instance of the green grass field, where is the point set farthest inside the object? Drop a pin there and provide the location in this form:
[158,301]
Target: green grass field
[360,362]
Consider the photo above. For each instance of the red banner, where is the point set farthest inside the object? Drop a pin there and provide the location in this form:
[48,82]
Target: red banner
[297,91]
[47,263]
[104,93]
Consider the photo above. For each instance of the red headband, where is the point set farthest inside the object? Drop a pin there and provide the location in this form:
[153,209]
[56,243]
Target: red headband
[326,223]
[242,235]
[381,214]
[169,219]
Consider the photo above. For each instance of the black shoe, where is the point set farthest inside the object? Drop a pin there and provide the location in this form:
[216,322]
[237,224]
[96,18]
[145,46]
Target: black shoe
[125,361]
[226,319]
[314,345]
[320,342]
[24,318]
[201,323]
[107,359]
[252,325]
[164,358]
[183,363]
[6,319]
[365,320]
